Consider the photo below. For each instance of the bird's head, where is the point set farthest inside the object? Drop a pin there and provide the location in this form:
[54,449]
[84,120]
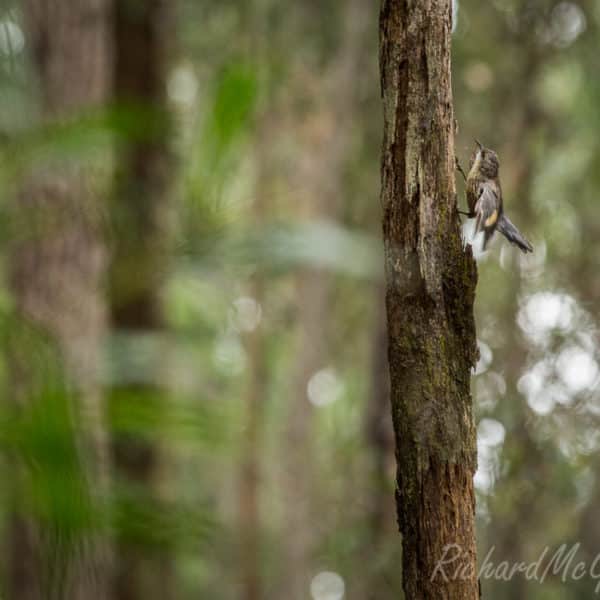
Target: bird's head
[487,161]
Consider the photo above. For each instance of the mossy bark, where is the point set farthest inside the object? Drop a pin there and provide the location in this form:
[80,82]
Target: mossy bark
[431,281]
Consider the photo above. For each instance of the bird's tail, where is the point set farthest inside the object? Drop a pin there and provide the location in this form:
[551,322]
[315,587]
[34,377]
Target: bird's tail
[512,234]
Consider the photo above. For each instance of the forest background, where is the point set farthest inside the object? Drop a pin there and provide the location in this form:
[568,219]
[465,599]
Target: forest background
[224,332]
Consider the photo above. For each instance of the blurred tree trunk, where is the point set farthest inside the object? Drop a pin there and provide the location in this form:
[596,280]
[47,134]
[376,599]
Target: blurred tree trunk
[379,439]
[256,389]
[378,429]
[524,457]
[250,469]
[141,223]
[56,271]
[430,292]
[320,174]
[313,288]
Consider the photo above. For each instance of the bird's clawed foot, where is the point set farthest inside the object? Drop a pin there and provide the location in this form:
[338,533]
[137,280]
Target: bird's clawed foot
[459,168]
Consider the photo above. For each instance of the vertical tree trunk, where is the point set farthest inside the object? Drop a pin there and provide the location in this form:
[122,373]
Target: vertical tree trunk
[251,457]
[57,267]
[380,582]
[430,293]
[378,429]
[141,223]
[250,467]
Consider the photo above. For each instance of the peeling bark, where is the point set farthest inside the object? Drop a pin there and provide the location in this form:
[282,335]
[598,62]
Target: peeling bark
[431,283]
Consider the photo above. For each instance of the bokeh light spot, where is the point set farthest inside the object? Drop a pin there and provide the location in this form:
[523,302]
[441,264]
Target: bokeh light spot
[12,40]
[485,358]
[182,86]
[229,355]
[327,585]
[478,76]
[577,368]
[544,312]
[490,437]
[325,387]
[245,314]
[568,23]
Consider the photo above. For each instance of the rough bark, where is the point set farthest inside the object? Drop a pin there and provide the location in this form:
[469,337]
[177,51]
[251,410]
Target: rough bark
[141,232]
[56,268]
[431,282]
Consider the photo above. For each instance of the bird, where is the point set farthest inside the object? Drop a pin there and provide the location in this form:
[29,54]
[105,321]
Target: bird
[484,198]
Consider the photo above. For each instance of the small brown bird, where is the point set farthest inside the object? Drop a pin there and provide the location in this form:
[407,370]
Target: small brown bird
[484,197]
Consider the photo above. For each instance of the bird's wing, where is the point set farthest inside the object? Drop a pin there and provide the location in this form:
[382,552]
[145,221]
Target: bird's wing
[486,207]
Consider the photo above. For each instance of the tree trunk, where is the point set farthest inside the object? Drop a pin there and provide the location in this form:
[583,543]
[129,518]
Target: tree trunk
[381,580]
[431,282]
[141,226]
[251,474]
[56,269]
[251,456]
[378,429]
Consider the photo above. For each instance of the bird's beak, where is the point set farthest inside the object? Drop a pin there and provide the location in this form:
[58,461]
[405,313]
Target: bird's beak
[479,144]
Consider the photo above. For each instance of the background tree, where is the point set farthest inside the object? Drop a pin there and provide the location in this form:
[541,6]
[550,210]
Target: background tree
[141,234]
[57,264]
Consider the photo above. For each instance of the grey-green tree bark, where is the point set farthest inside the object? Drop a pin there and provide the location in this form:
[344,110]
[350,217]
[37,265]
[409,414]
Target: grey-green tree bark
[431,281]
